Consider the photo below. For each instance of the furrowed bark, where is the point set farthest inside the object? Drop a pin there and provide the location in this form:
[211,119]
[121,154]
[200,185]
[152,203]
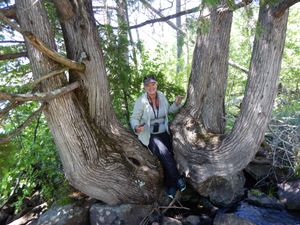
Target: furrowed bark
[209,72]
[100,158]
[205,156]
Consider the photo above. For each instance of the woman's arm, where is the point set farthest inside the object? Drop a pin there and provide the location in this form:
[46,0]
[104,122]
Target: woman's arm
[176,105]
[137,113]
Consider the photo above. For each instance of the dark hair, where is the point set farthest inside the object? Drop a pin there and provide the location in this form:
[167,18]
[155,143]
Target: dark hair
[149,78]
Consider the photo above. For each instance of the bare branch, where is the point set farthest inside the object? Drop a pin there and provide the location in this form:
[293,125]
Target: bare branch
[96,8]
[40,96]
[162,16]
[37,43]
[192,10]
[9,107]
[189,11]
[49,75]
[237,66]
[11,41]
[13,55]
[11,195]
[283,5]
[9,12]
[22,126]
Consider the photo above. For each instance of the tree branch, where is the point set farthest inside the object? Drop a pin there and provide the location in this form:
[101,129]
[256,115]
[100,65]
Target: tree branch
[182,13]
[192,10]
[283,5]
[9,12]
[37,43]
[15,132]
[42,96]
[12,41]
[13,55]
[162,16]
[9,107]
[237,66]
[49,75]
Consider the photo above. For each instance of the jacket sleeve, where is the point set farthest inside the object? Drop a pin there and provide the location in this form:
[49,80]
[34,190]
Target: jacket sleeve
[174,108]
[137,114]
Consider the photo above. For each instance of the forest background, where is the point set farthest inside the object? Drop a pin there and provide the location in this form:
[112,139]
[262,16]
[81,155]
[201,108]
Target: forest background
[29,161]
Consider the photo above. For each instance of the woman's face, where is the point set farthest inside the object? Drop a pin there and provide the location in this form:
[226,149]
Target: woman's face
[151,88]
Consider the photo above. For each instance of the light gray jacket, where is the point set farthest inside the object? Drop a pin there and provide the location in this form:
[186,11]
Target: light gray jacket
[142,111]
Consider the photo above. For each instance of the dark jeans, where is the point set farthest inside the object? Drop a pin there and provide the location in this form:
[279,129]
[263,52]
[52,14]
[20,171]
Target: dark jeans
[161,146]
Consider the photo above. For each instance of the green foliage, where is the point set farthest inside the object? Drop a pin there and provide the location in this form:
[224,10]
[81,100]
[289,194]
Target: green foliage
[125,78]
[33,166]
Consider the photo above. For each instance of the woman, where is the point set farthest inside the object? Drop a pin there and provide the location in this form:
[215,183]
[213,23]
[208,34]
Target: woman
[149,120]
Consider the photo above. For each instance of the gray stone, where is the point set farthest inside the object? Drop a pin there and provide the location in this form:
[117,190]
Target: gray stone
[230,219]
[289,194]
[65,215]
[265,216]
[170,221]
[3,217]
[127,214]
[258,198]
[191,220]
[223,191]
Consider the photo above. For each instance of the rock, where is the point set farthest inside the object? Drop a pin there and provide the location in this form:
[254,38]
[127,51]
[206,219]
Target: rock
[65,215]
[3,217]
[191,220]
[255,197]
[223,191]
[170,221]
[289,194]
[127,214]
[231,219]
[265,216]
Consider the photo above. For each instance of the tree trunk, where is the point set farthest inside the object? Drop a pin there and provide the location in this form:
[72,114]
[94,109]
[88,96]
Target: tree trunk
[100,158]
[179,37]
[105,161]
[201,154]
[206,91]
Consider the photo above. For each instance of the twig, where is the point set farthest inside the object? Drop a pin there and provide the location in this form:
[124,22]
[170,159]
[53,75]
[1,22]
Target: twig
[13,55]
[39,96]
[284,141]
[9,107]
[11,193]
[192,10]
[171,203]
[237,66]
[36,128]
[174,207]
[49,75]
[22,126]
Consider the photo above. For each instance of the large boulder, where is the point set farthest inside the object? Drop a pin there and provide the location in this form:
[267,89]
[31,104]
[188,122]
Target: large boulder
[223,191]
[71,214]
[231,219]
[126,214]
[289,194]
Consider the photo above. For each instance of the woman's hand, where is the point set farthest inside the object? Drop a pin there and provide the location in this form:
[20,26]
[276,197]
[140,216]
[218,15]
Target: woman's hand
[139,128]
[178,99]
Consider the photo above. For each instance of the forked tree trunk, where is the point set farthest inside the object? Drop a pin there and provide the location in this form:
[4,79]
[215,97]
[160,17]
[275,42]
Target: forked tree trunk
[100,158]
[105,161]
[206,90]
[205,156]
